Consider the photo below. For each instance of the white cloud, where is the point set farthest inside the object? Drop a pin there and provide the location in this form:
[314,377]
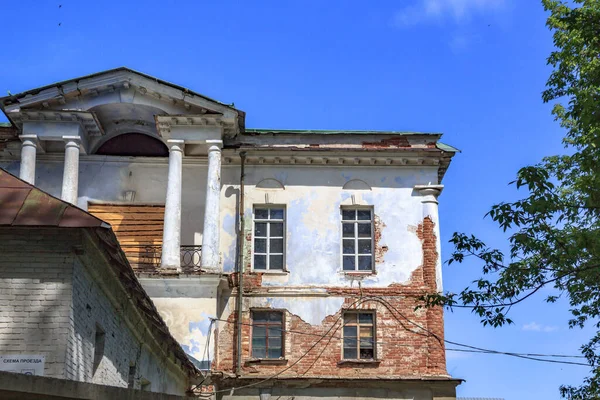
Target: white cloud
[438,10]
[534,326]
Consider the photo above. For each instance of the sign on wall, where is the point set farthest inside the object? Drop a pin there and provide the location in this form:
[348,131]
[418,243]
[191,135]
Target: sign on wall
[23,364]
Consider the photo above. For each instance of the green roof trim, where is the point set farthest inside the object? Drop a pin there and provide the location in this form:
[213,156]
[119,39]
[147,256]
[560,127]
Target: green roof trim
[334,132]
[447,147]
[5,124]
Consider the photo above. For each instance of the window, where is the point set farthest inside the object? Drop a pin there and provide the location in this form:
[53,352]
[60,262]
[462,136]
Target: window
[357,239]
[267,334]
[359,334]
[99,339]
[269,238]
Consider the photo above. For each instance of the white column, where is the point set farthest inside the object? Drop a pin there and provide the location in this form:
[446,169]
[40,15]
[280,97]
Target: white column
[210,234]
[429,195]
[70,182]
[28,154]
[171,253]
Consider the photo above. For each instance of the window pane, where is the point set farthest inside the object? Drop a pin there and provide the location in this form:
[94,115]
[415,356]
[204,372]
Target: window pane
[260,245]
[350,343]
[259,352]
[260,262]
[260,229]
[258,331]
[276,262]
[257,343]
[366,332]
[274,342]
[364,230]
[349,263]
[276,246]
[348,230]
[275,316]
[349,215]
[366,343]
[277,229]
[364,246]
[260,316]
[274,332]
[274,352]
[366,318]
[364,263]
[350,353]
[276,213]
[366,354]
[349,331]
[364,215]
[349,246]
[261,213]
[350,318]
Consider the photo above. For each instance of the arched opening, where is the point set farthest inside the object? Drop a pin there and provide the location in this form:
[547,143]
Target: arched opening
[133,144]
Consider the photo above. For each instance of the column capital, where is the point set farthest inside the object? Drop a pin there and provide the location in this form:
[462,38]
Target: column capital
[72,141]
[29,139]
[430,193]
[214,145]
[176,145]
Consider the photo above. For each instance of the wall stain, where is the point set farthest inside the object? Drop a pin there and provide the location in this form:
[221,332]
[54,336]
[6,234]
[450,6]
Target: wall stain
[379,249]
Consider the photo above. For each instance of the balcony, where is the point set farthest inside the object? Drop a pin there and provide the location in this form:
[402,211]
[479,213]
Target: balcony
[145,258]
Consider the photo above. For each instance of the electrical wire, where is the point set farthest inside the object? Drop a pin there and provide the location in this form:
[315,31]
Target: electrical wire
[233,389]
[412,345]
[381,300]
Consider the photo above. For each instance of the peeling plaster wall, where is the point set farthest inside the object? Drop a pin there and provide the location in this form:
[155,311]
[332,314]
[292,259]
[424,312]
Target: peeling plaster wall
[312,198]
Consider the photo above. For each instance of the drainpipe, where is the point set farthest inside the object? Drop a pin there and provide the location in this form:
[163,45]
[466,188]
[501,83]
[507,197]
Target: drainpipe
[240,268]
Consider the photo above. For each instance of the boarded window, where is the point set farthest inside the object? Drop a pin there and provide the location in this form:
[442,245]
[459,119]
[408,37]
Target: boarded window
[139,229]
[359,336]
[267,334]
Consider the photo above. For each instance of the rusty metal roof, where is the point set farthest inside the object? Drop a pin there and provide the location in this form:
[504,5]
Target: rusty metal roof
[22,204]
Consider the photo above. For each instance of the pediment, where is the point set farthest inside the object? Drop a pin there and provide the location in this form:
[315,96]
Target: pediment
[120,85]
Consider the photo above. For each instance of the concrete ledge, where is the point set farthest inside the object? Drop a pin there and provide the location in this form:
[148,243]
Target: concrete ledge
[19,386]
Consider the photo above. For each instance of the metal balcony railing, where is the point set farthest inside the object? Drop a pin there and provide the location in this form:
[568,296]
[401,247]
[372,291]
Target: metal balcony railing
[147,257]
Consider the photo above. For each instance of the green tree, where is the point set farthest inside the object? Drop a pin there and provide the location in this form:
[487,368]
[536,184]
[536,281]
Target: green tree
[555,228]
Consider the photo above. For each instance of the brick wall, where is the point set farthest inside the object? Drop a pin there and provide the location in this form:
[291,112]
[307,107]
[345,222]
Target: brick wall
[35,293]
[410,342]
[91,309]
[55,291]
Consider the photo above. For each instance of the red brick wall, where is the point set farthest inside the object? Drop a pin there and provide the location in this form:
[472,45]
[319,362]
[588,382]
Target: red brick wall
[408,340]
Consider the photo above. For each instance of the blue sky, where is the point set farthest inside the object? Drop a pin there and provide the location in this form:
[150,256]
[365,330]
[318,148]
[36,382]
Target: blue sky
[472,69]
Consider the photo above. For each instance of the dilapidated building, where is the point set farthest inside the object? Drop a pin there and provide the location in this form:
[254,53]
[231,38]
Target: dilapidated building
[287,262]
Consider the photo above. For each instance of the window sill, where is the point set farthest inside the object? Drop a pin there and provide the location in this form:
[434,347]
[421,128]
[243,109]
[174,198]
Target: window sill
[359,273]
[369,362]
[267,361]
[270,272]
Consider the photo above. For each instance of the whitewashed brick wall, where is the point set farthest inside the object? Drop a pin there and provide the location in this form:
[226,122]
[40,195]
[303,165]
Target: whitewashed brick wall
[35,297]
[121,348]
[50,305]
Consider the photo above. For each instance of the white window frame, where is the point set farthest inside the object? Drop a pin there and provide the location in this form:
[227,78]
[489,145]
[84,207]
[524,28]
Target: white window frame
[356,238]
[268,237]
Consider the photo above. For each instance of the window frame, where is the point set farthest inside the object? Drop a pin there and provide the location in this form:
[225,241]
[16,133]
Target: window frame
[356,237]
[268,238]
[373,326]
[283,336]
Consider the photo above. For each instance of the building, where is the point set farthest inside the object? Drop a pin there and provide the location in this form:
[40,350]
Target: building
[71,305]
[319,229]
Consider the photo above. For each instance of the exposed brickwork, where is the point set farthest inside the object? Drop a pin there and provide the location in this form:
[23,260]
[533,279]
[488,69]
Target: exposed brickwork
[395,142]
[408,344]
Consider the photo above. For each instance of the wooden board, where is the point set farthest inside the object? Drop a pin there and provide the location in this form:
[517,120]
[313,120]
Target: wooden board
[135,226]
